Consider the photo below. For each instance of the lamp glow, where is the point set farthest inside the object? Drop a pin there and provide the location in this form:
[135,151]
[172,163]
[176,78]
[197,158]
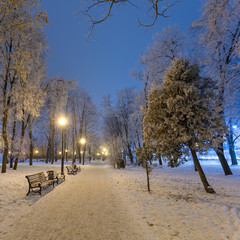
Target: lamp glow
[62,121]
[82,140]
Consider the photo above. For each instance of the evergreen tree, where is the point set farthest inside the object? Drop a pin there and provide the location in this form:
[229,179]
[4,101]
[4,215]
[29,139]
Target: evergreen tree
[182,116]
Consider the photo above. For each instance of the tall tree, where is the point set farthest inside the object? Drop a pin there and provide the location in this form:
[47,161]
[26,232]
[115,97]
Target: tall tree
[183,113]
[125,108]
[219,28]
[167,45]
[29,94]
[18,19]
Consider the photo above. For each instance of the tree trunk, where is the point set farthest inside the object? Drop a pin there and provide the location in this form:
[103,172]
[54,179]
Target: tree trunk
[52,137]
[208,188]
[7,94]
[4,162]
[79,153]
[5,140]
[195,168]
[231,145]
[22,137]
[65,144]
[31,143]
[55,154]
[130,153]
[148,180]
[73,146]
[13,137]
[84,150]
[11,161]
[48,152]
[220,153]
[159,159]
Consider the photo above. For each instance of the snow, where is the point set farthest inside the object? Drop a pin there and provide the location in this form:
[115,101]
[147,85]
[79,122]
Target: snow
[105,203]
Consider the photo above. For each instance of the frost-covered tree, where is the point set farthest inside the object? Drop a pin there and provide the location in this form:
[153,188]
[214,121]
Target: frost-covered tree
[136,119]
[19,21]
[85,118]
[118,121]
[182,114]
[219,28]
[57,90]
[29,94]
[145,155]
[125,108]
[112,130]
[167,45]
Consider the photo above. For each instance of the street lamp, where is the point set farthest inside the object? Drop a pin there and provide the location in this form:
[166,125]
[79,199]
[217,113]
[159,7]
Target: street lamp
[83,142]
[62,122]
[104,153]
[36,152]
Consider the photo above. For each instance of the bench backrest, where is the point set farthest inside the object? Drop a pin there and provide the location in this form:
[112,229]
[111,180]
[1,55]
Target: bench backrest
[52,174]
[69,168]
[74,166]
[36,178]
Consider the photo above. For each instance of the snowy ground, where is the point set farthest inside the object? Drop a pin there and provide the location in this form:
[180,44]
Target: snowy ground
[105,203]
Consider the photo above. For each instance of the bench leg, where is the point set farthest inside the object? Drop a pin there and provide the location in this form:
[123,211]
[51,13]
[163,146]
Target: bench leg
[28,191]
[40,191]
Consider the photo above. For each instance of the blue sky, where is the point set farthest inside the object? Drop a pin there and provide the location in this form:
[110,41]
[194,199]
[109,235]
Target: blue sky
[103,65]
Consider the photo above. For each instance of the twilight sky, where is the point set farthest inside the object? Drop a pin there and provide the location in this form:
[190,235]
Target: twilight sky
[103,65]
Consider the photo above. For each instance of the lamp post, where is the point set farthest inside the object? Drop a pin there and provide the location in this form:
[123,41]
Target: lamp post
[104,153]
[83,142]
[66,151]
[62,122]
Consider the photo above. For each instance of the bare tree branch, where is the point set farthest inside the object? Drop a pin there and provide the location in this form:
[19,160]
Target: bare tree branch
[155,8]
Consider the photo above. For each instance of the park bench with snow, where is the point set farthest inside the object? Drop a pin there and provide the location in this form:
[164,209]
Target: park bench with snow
[71,170]
[37,182]
[76,167]
[53,175]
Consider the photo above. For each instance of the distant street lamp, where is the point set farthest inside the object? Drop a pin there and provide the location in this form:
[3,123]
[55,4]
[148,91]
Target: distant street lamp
[36,152]
[62,122]
[104,153]
[83,142]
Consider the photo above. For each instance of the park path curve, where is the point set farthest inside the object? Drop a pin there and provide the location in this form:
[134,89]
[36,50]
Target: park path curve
[85,206]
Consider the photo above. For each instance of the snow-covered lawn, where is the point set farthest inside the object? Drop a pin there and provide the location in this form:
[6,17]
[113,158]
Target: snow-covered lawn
[14,187]
[177,208]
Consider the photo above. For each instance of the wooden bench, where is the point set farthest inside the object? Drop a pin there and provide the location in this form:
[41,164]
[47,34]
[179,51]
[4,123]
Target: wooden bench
[37,182]
[71,170]
[56,177]
[76,167]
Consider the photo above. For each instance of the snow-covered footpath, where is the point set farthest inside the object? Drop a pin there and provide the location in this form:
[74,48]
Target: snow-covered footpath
[177,208]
